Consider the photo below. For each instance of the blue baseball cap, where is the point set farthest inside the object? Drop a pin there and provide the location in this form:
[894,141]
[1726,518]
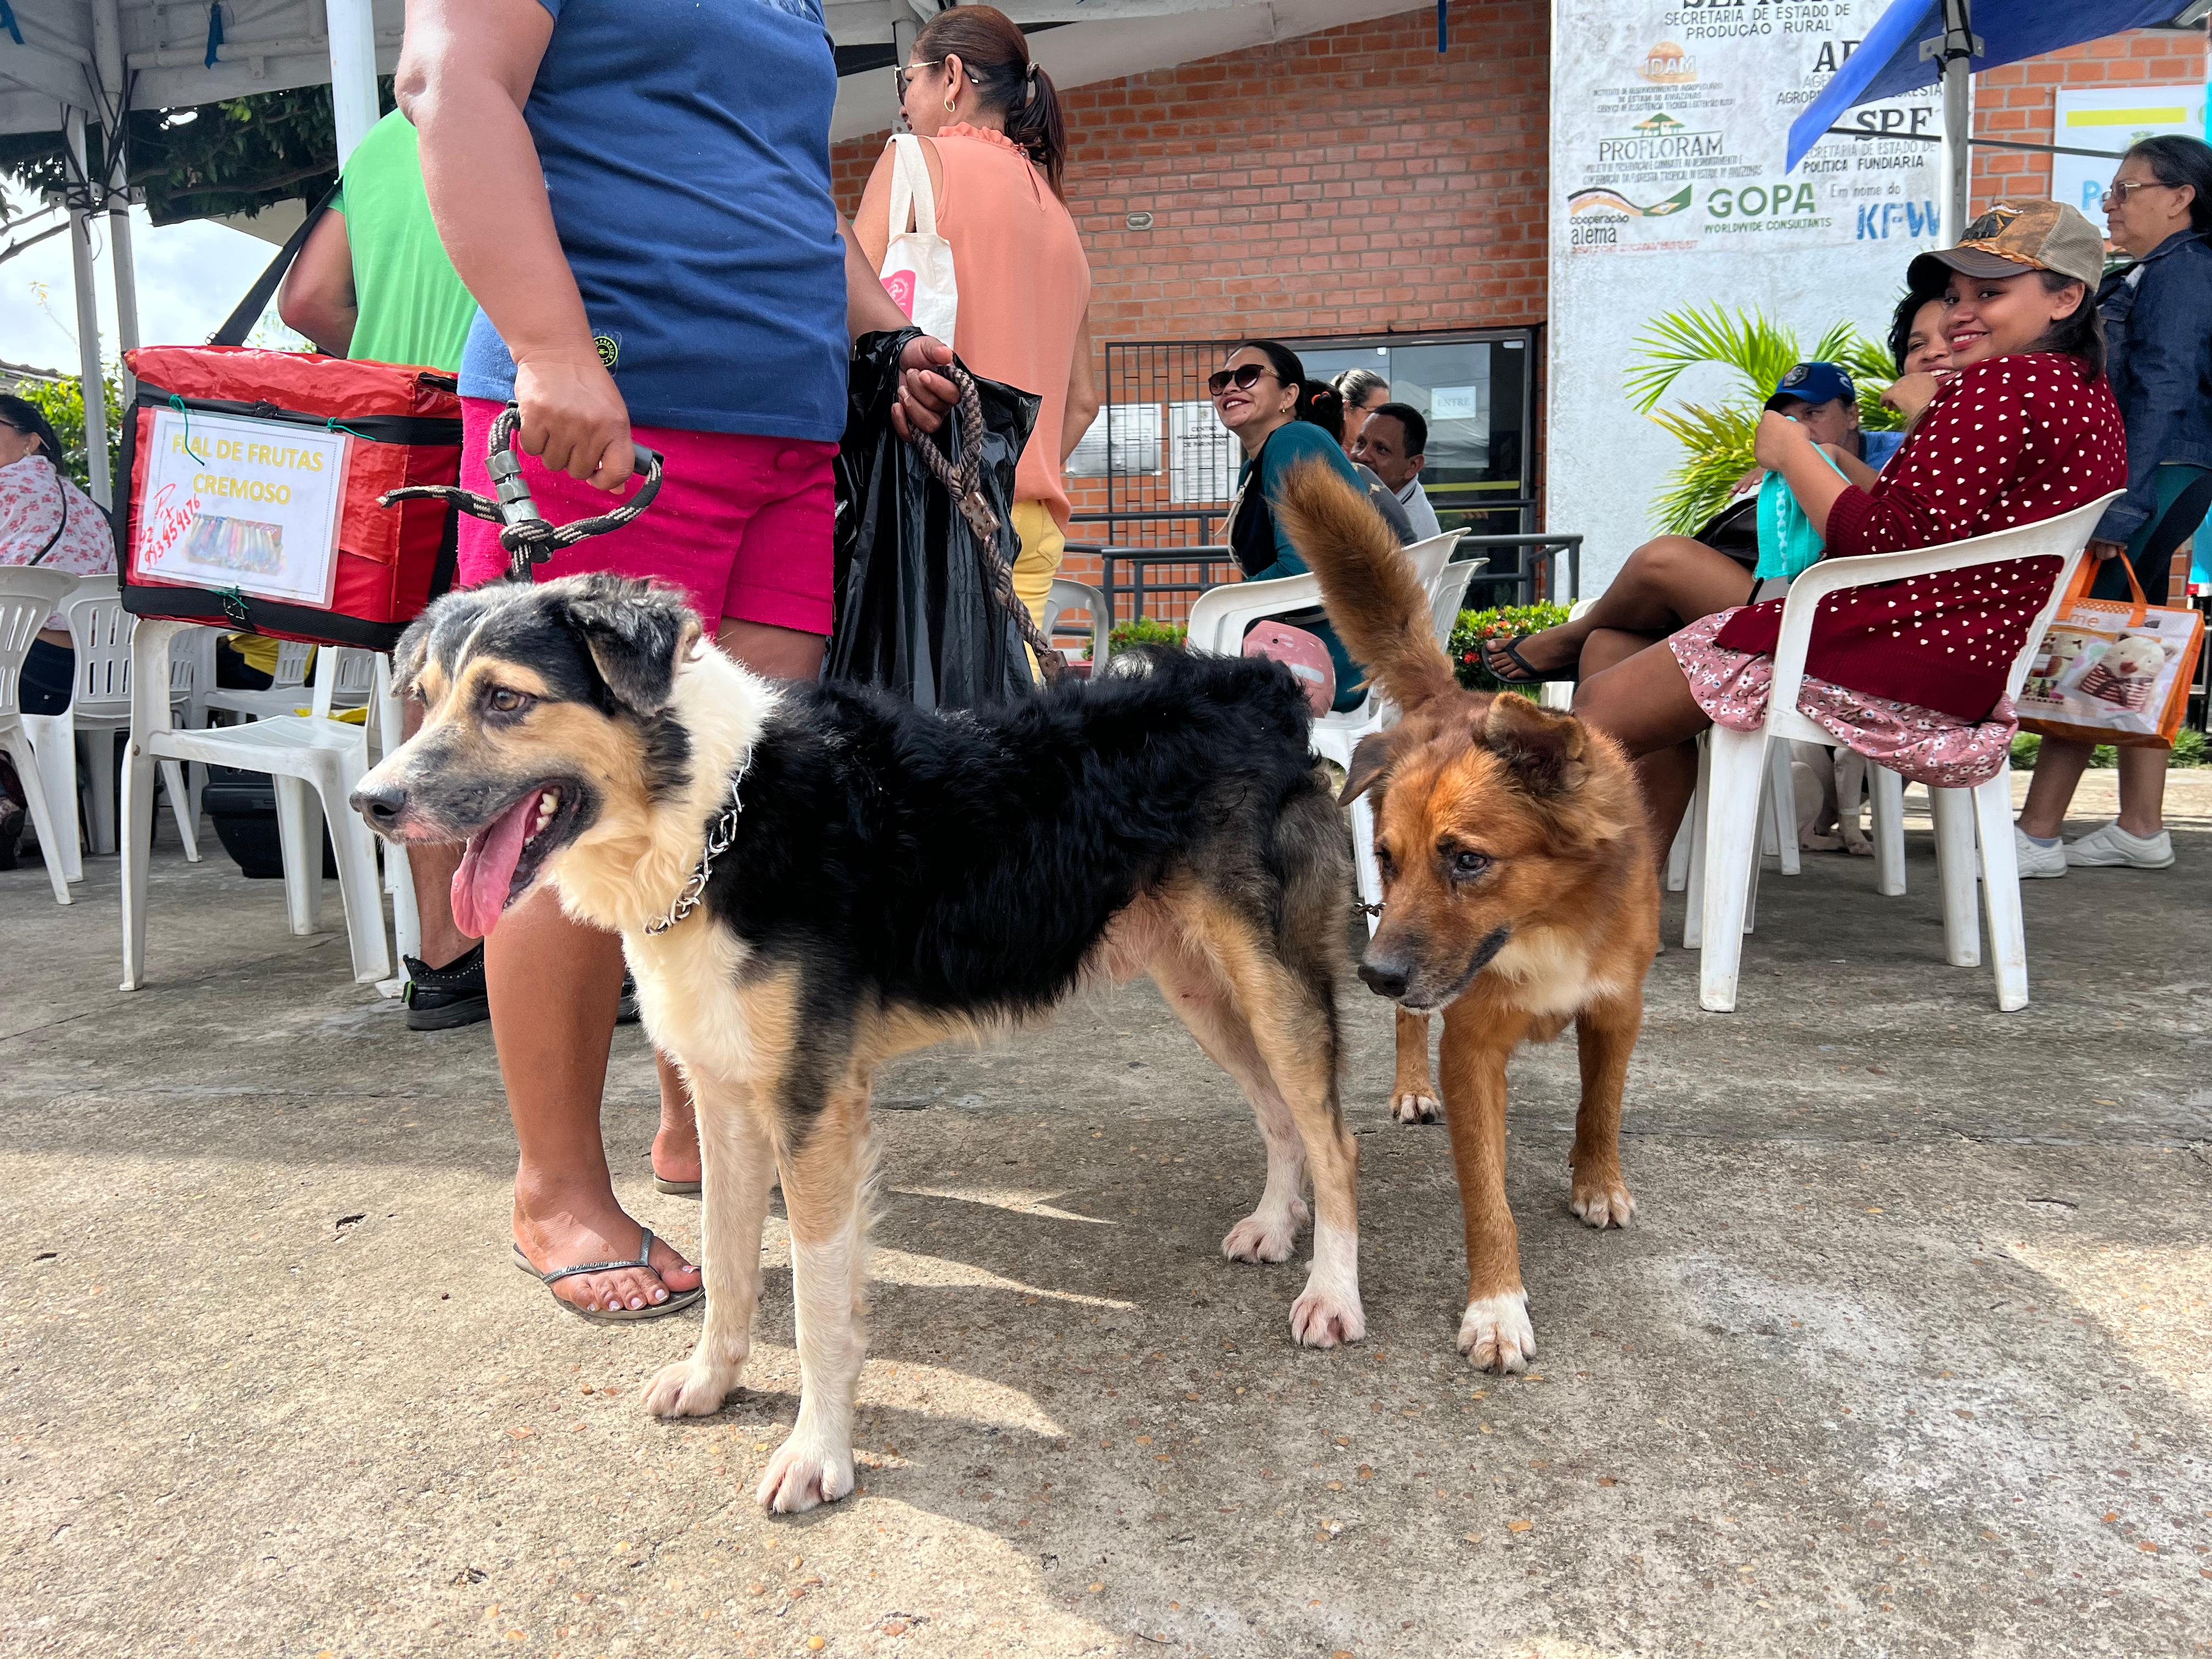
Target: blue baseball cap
[1813,383]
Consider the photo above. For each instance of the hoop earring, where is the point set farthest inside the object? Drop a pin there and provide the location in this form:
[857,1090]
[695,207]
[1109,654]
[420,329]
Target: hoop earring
[950,104]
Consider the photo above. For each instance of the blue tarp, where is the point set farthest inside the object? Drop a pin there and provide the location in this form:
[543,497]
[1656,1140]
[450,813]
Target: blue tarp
[1888,64]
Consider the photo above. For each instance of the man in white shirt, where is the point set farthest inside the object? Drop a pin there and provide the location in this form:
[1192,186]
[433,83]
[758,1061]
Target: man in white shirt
[1395,442]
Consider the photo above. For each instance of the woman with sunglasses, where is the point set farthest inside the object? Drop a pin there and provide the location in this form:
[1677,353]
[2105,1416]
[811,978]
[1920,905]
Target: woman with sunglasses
[1263,396]
[989,122]
[45,520]
[2158,319]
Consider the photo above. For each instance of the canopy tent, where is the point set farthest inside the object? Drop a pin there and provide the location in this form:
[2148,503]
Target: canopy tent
[81,64]
[1915,43]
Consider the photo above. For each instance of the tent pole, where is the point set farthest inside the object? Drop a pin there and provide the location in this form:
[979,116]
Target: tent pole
[88,316]
[1958,118]
[115,105]
[352,72]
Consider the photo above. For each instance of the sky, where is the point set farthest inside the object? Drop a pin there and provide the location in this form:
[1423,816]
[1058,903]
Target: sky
[190,275]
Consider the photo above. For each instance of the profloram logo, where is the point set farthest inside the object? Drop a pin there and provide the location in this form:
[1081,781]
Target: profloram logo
[1601,200]
[1661,138]
[1668,65]
[609,347]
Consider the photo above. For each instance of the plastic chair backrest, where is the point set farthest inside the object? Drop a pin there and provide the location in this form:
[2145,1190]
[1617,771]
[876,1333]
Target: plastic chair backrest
[2065,537]
[1065,596]
[291,664]
[27,597]
[100,630]
[1448,593]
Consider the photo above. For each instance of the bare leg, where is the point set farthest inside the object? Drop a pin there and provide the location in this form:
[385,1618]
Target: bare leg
[1645,704]
[1666,582]
[553,982]
[676,1143]
[2059,763]
[2142,790]
[740,1169]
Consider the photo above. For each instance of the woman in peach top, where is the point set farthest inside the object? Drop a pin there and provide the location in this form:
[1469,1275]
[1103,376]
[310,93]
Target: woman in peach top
[990,127]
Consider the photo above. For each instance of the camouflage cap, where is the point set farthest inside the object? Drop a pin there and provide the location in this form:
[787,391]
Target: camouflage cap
[2037,235]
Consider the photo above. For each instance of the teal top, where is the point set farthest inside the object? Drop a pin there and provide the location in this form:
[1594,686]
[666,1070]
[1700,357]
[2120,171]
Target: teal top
[1288,446]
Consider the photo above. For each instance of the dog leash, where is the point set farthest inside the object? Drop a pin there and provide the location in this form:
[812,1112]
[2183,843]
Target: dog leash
[963,481]
[529,539]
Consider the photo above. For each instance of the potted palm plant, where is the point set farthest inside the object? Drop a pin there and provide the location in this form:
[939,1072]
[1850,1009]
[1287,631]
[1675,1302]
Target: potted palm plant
[1718,437]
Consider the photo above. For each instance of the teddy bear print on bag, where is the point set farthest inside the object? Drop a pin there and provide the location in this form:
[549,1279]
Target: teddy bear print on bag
[2125,675]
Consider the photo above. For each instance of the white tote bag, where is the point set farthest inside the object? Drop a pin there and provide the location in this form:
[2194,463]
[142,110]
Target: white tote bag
[918,263]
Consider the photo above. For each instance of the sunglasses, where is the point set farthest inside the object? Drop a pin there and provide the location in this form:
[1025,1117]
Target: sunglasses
[2124,188]
[1244,377]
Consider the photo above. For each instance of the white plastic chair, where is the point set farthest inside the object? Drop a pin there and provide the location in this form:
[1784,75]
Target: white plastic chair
[1220,617]
[100,710]
[315,762]
[1736,766]
[1066,596]
[27,597]
[285,692]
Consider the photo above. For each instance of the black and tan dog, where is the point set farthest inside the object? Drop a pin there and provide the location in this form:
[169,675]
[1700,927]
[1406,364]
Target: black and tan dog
[876,879]
[1519,894]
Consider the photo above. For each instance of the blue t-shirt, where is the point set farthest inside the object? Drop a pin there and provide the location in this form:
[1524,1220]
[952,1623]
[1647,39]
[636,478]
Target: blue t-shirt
[1877,448]
[686,153]
[1287,445]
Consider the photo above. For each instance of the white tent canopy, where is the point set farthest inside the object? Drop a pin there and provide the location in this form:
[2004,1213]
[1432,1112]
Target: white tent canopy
[84,62]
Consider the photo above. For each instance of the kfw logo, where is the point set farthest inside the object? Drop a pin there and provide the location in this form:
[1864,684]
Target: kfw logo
[1880,220]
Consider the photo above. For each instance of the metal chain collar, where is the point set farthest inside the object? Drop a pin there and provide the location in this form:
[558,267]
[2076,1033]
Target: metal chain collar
[719,838]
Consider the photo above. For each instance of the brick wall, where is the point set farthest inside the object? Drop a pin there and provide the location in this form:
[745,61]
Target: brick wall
[1348,181]
[2016,101]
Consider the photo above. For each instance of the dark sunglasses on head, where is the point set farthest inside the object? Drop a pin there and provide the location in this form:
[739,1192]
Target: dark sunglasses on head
[1244,377]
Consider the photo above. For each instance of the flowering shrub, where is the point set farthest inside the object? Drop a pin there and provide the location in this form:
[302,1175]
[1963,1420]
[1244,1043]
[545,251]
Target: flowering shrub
[1501,622]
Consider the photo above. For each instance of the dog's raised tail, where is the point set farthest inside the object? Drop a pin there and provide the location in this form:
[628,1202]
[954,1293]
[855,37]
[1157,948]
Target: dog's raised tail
[1368,586]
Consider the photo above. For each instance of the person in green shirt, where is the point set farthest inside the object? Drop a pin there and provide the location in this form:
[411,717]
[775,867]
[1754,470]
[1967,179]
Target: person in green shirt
[373,280]
[1263,396]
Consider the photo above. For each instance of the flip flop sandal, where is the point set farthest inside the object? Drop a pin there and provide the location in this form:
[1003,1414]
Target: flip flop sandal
[680,1188]
[1525,672]
[677,1300]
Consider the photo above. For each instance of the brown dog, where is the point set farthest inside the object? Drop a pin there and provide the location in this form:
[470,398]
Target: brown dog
[1520,893]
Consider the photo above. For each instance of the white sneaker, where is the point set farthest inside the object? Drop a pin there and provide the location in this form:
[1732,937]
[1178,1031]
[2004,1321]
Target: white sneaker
[2109,845]
[2036,860]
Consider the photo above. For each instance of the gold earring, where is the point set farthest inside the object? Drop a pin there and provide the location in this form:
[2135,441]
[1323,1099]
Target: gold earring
[949,104]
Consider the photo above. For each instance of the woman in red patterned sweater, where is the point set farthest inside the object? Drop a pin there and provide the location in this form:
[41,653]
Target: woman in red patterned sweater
[1913,673]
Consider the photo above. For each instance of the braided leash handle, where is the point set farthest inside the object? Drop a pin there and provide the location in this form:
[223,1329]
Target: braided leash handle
[964,481]
[524,533]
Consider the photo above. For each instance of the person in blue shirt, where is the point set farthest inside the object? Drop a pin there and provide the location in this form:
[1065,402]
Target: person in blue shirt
[1263,396]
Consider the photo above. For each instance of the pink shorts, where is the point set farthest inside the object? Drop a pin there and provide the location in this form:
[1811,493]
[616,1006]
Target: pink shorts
[743,523]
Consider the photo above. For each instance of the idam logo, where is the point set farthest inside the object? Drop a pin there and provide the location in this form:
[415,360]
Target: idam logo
[1668,65]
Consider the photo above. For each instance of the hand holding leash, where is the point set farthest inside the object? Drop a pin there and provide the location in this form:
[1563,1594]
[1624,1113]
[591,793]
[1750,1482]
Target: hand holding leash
[525,534]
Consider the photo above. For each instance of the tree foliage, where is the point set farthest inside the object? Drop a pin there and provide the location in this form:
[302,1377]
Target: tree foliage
[237,155]
[1756,353]
[62,402]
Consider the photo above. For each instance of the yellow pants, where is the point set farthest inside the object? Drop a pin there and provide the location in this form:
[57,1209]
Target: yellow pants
[1043,542]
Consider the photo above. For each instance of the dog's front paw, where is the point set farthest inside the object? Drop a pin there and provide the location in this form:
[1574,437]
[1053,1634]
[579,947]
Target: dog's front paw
[1858,845]
[1602,1200]
[1324,1316]
[1495,1333]
[689,1387]
[1409,1107]
[1267,1234]
[805,1470]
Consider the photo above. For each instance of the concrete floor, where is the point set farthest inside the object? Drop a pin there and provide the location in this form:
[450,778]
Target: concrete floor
[1910,1351]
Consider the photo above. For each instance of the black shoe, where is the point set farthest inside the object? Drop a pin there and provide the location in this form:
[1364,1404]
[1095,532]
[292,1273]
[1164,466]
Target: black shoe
[626,1010]
[441,999]
[12,817]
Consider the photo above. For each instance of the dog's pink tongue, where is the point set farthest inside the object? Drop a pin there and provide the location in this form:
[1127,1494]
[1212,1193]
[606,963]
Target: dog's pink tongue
[487,868]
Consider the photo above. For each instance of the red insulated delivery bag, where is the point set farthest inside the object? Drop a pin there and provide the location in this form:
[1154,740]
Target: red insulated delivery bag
[253,484]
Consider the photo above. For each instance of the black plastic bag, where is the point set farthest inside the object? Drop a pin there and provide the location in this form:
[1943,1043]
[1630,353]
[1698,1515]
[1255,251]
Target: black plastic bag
[915,612]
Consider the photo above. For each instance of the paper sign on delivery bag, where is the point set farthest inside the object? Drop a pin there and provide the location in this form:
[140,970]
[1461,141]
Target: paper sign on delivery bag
[233,502]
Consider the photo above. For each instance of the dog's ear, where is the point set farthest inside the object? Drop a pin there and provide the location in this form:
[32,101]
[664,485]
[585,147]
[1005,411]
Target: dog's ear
[411,654]
[1371,761]
[638,635]
[1546,752]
